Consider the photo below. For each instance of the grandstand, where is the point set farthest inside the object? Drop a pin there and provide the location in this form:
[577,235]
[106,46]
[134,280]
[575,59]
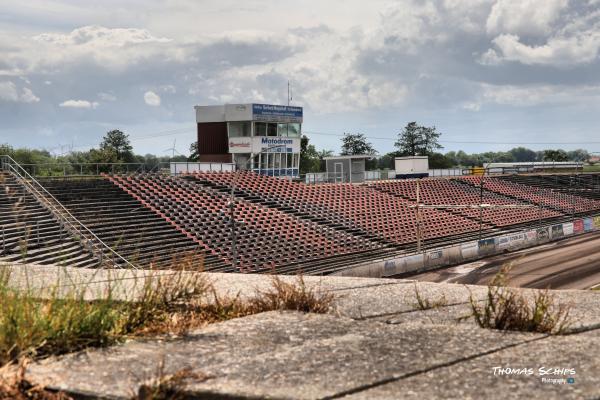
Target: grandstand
[280,225]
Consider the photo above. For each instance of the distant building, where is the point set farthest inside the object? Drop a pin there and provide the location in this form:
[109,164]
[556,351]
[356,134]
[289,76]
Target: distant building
[411,167]
[262,137]
[537,166]
[346,169]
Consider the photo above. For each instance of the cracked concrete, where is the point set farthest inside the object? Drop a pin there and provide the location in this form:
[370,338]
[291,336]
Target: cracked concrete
[378,343]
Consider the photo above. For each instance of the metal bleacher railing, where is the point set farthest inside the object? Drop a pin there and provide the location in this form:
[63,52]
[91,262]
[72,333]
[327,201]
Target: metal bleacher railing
[93,169]
[88,239]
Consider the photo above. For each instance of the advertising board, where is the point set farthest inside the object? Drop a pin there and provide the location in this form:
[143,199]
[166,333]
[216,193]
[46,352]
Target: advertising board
[469,250]
[557,231]
[486,246]
[568,228]
[273,113]
[543,234]
[264,144]
[240,145]
[578,226]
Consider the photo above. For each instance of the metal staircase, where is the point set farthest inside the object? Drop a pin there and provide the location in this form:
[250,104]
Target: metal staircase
[33,192]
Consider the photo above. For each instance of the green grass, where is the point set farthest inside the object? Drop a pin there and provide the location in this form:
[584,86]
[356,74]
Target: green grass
[591,168]
[57,322]
[35,324]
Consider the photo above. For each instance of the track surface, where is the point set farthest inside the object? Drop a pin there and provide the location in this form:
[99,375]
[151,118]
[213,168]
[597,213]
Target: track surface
[568,264]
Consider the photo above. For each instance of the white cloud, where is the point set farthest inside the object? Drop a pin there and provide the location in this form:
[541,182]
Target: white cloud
[558,51]
[536,95]
[10,92]
[107,96]
[152,99]
[567,38]
[472,106]
[99,36]
[28,97]
[524,17]
[84,104]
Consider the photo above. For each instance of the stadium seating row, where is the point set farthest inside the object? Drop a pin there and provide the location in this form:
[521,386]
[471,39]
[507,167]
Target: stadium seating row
[450,192]
[266,237]
[353,207]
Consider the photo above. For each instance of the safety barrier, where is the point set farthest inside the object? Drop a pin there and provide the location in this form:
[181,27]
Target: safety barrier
[473,250]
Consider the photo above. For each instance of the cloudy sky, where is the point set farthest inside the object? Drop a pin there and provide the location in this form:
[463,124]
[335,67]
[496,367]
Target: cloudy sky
[489,74]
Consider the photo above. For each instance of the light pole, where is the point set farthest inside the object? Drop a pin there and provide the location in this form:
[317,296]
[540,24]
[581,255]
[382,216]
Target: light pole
[231,203]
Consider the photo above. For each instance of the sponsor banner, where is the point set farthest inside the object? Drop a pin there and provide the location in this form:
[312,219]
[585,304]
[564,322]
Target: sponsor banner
[486,246]
[517,239]
[469,250]
[264,144]
[435,257]
[568,228]
[597,222]
[503,242]
[508,241]
[578,226]
[588,224]
[543,234]
[240,145]
[557,231]
[273,113]
[531,236]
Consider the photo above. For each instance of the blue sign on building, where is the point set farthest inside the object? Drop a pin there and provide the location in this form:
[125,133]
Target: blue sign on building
[273,113]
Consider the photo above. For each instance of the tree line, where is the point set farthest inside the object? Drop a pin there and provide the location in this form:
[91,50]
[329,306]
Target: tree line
[115,149]
[418,140]
[413,140]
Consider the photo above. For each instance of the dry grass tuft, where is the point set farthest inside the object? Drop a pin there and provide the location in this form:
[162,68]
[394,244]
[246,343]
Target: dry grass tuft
[508,309]
[168,387]
[426,304]
[296,296]
[13,386]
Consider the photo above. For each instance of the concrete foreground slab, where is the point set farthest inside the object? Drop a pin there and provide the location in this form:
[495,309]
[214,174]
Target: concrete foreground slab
[563,367]
[278,355]
[376,343]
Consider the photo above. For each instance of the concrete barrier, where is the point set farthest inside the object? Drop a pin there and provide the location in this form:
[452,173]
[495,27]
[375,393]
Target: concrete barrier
[473,250]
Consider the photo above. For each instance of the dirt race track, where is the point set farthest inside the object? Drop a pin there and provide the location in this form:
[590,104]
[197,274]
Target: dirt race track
[568,264]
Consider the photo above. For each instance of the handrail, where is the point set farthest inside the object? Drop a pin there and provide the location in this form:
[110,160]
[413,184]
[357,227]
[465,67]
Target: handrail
[58,209]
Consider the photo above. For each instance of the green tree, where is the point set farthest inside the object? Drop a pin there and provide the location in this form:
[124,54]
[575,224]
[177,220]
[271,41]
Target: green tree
[440,161]
[417,140]
[578,155]
[309,157]
[409,140]
[522,154]
[555,155]
[429,140]
[322,154]
[118,142]
[194,156]
[356,144]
